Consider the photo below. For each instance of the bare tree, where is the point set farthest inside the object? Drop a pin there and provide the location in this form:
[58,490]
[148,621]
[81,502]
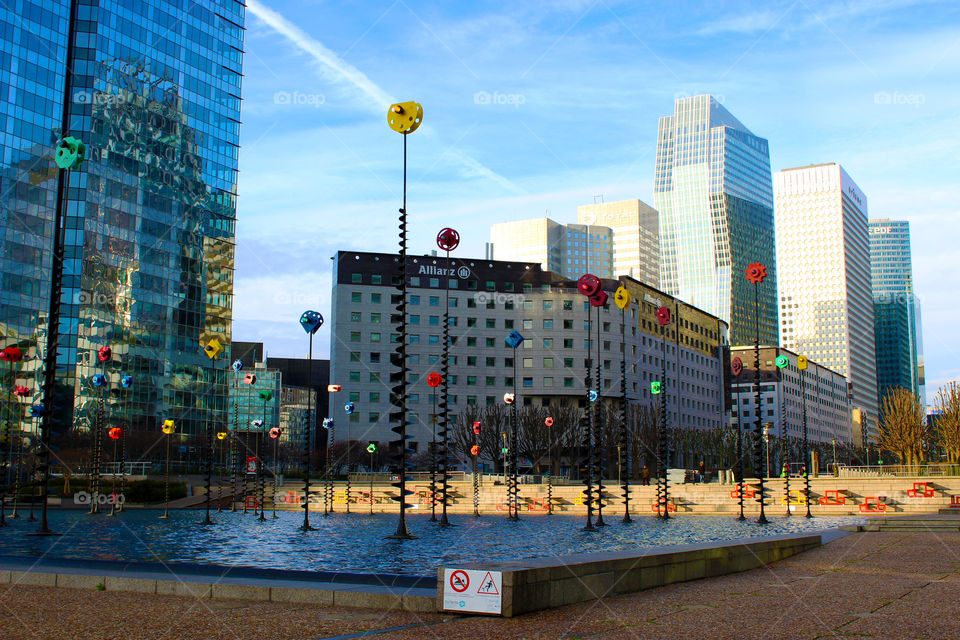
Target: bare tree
[901,425]
[947,425]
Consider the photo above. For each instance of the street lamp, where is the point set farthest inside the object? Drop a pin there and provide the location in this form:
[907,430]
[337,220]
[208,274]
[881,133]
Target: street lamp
[756,273]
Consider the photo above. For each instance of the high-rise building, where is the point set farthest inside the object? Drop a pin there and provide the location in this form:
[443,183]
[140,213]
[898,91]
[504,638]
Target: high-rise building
[636,237]
[153,91]
[610,239]
[568,249]
[823,255]
[713,190]
[898,334]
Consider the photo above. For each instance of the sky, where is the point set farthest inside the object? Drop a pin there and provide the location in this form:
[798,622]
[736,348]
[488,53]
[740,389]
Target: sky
[533,108]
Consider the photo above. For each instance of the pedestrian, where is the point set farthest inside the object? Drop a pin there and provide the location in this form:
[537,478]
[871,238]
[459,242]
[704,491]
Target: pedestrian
[645,475]
[701,471]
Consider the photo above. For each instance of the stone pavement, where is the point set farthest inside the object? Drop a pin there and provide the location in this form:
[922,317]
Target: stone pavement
[865,585]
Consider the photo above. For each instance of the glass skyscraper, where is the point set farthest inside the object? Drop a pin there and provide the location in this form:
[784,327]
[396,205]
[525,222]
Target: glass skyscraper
[897,329]
[152,87]
[714,192]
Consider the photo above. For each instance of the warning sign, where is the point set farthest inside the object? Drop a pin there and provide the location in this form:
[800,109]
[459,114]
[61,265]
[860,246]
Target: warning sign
[459,581]
[472,591]
[488,587]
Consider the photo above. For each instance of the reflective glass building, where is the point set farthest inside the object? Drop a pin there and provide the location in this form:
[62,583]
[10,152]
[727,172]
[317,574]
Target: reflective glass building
[714,192]
[153,90]
[896,309]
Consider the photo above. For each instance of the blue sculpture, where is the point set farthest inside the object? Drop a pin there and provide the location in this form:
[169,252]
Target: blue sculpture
[237,365]
[311,321]
[126,382]
[98,380]
[349,408]
[514,340]
[593,395]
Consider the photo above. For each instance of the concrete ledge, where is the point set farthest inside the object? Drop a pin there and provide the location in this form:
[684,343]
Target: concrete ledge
[543,583]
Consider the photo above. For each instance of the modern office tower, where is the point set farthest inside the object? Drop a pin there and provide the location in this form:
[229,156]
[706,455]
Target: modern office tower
[568,249]
[713,191]
[636,237]
[898,334]
[823,255]
[154,93]
[488,300]
[829,414]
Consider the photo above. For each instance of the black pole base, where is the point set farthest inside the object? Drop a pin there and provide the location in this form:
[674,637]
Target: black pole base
[207,522]
[588,527]
[600,522]
[306,527]
[762,520]
[741,517]
[626,519]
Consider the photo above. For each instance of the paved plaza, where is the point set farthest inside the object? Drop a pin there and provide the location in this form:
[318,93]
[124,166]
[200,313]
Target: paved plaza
[866,585]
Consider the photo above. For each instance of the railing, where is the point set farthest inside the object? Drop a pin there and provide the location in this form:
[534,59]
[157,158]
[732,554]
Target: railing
[901,470]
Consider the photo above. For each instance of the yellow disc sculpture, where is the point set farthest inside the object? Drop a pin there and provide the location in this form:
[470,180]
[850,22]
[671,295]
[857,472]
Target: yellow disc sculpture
[405,117]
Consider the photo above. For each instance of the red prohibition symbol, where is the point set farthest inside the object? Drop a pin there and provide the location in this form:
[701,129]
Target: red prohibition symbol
[459,580]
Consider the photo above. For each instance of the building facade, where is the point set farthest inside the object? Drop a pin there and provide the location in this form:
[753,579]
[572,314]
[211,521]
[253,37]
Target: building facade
[782,393]
[488,300]
[897,327]
[826,304]
[568,249]
[713,190]
[154,93]
[636,237]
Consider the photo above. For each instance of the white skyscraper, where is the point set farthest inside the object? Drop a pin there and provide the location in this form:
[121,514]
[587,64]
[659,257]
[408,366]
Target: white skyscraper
[823,267]
[636,236]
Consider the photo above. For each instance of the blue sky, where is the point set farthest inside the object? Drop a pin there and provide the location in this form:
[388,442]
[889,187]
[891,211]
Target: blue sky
[537,107]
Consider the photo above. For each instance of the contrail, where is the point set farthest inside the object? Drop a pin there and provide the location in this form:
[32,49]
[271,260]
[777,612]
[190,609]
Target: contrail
[379,100]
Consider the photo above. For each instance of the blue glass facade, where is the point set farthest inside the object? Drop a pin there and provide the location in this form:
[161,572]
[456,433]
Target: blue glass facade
[154,92]
[714,192]
[897,327]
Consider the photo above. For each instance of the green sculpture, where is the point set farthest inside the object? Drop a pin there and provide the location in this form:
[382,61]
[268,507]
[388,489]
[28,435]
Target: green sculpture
[70,153]
[655,387]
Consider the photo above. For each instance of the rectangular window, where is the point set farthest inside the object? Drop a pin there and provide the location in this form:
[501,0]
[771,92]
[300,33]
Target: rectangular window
[374,337]
[568,305]
[375,317]
[548,363]
[568,382]
[356,278]
[528,363]
[508,323]
[354,376]
[471,341]
[415,282]
[376,279]
[354,396]
[528,305]
[414,320]
[548,305]
[491,381]
[356,297]
[491,362]
[355,316]
[354,336]
[374,376]
[374,417]
[414,299]
[548,382]
[528,324]
[434,301]
[434,321]
[490,342]
[354,356]
[471,361]
[528,382]
[568,343]
[433,339]
[471,381]
[375,357]
[491,323]
[548,343]
[471,322]
[548,323]
[376,298]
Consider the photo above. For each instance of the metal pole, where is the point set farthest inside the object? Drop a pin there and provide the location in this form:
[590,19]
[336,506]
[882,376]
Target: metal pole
[166,482]
[664,493]
[371,483]
[623,463]
[598,435]
[260,478]
[308,431]
[513,490]
[806,444]
[445,402]
[740,486]
[433,462]
[208,481]
[276,444]
[757,433]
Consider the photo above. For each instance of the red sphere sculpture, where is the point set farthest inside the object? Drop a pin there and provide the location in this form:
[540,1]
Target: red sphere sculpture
[104,353]
[274,432]
[11,354]
[663,316]
[434,379]
[736,366]
[588,284]
[448,239]
[115,433]
[756,272]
